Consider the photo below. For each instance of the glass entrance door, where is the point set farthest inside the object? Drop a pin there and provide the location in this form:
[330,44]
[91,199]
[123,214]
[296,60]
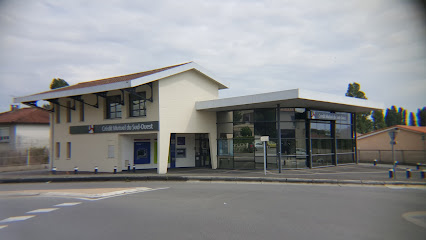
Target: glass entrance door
[202,150]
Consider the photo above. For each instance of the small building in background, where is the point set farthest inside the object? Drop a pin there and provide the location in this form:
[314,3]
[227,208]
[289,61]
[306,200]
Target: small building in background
[24,136]
[409,149]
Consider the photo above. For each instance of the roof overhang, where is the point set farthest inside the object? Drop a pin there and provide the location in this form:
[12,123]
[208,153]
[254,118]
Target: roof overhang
[297,98]
[121,85]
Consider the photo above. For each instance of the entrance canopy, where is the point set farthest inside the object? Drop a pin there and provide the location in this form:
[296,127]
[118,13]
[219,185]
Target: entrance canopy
[295,98]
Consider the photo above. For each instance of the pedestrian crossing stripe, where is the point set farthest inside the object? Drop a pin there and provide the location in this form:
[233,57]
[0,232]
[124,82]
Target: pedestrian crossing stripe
[43,210]
[16,219]
[2,226]
[67,204]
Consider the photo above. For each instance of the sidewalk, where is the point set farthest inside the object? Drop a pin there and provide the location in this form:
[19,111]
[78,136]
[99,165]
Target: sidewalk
[363,174]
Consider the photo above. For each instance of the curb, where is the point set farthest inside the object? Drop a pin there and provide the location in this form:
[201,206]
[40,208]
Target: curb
[205,179]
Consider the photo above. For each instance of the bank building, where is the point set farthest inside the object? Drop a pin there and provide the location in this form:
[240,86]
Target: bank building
[172,117]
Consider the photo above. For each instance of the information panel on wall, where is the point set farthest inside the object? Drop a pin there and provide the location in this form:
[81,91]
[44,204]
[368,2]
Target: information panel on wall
[112,128]
[320,115]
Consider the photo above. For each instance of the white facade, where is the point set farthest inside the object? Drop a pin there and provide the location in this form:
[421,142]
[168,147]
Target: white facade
[92,124]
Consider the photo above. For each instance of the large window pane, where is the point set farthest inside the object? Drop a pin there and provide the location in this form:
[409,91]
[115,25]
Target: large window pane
[225,130]
[265,129]
[265,115]
[345,145]
[322,146]
[224,117]
[321,129]
[345,158]
[243,130]
[343,131]
[323,160]
[243,116]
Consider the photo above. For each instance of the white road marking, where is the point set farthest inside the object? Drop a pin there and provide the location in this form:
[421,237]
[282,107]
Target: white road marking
[43,210]
[418,218]
[16,219]
[67,204]
[2,226]
[121,193]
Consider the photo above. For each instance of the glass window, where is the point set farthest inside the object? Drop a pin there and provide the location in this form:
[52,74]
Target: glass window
[322,146]
[345,145]
[265,115]
[243,130]
[137,104]
[323,160]
[320,129]
[344,118]
[343,131]
[345,158]
[114,107]
[224,117]
[68,111]
[58,113]
[225,130]
[58,149]
[265,129]
[81,112]
[68,150]
[245,116]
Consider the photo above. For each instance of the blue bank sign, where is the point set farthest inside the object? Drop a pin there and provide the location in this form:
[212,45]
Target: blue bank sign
[111,128]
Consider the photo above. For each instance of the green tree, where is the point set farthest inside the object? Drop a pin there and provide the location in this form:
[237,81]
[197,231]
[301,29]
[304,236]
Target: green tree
[378,120]
[412,119]
[391,117]
[58,83]
[363,123]
[402,116]
[421,116]
[246,132]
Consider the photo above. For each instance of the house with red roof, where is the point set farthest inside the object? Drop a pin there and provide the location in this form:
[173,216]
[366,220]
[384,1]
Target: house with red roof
[410,147]
[21,130]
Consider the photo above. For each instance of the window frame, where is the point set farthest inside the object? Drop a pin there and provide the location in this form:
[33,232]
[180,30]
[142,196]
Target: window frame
[115,99]
[141,104]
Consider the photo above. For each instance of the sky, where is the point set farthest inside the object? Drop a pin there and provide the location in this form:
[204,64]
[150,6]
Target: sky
[252,46]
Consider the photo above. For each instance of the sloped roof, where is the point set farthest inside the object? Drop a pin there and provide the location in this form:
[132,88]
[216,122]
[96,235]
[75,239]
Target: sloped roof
[403,127]
[118,82]
[25,115]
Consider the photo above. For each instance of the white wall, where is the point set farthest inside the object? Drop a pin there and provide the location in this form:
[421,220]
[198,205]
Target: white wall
[177,113]
[90,150]
[31,135]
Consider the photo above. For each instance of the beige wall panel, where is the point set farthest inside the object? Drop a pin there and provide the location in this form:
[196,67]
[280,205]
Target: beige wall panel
[178,95]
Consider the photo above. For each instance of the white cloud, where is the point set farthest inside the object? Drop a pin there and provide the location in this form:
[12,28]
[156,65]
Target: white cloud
[321,46]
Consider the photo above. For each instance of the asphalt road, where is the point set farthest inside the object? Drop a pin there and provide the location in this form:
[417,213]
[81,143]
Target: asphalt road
[191,210]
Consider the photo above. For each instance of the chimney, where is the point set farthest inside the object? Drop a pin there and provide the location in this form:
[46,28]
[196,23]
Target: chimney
[14,107]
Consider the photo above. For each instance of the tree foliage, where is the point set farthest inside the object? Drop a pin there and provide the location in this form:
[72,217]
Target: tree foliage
[246,132]
[421,116]
[412,119]
[363,123]
[378,120]
[58,83]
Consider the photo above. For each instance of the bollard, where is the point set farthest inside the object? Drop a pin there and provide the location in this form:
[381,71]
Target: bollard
[395,163]
[408,173]
[134,168]
[115,169]
[375,162]
[54,170]
[418,166]
[422,174]
[75,170]
[96,169]
[128,167]
[391,173]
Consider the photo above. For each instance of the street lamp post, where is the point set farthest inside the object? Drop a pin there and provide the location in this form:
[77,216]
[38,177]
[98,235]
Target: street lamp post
[392,135]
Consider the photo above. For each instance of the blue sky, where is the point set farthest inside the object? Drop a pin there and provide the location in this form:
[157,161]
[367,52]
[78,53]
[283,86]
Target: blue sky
[254,46]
